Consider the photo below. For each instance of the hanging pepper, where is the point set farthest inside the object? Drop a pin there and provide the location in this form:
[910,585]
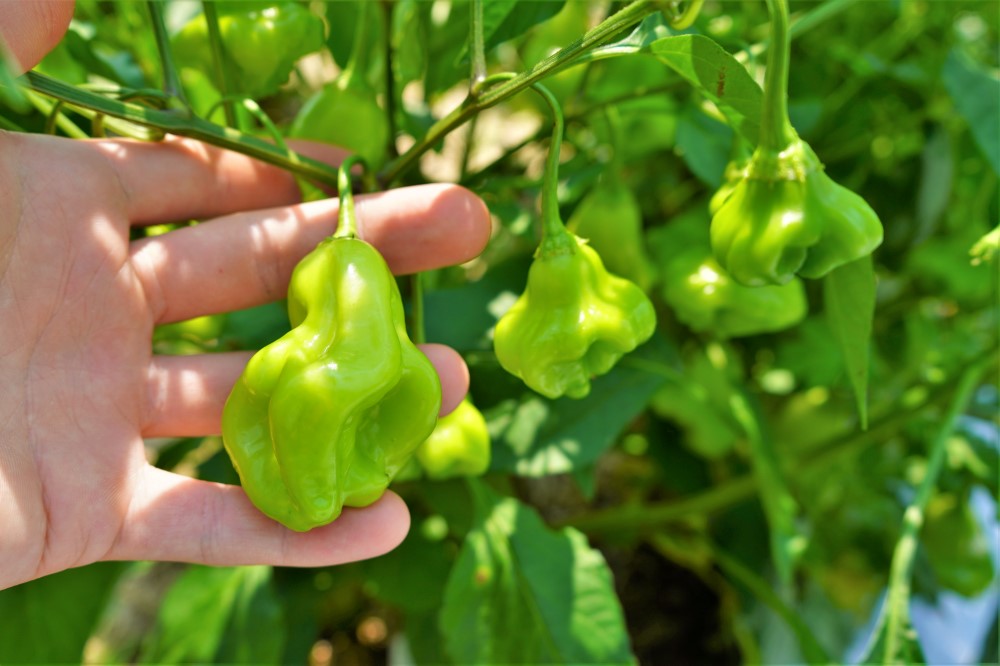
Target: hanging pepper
[346,112]
[459,445]
[785,216]
[325,416]
[705,298]
[574,320]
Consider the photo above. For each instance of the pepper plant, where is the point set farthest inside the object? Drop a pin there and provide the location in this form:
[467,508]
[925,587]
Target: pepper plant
[741,407]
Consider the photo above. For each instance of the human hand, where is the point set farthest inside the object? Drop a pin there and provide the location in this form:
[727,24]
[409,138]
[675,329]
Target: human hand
[80,387]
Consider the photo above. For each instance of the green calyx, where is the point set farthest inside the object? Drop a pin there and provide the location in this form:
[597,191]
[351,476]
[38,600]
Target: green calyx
[572,323]
[459,445]
[705,298]
[787,217]
[328,414]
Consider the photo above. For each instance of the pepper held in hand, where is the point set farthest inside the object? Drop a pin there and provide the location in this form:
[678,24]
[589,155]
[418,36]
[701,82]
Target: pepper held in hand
[324,417]
[573,321]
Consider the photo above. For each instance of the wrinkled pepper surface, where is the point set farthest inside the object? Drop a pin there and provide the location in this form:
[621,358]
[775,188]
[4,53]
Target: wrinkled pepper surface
[324,417]
[705,298]
[459,445]
[573,321]
[787,217]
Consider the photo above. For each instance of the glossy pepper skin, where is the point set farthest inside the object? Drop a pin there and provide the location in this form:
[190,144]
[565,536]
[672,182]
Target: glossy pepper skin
[609,218]
[263,39]
[459,445]
[705,298]
[573,321]
[324,417]
[787,217]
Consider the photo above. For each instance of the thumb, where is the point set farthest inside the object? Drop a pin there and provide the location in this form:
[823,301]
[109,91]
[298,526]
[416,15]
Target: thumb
[32,29]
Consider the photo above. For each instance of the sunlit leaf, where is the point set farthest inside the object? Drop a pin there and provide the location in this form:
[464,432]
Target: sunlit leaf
[849,294]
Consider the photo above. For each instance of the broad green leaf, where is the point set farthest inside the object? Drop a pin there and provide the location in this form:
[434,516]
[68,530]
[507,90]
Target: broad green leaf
[49,620]
[719,76]
[390,577]
[521,593]
[976,94]
[704,144]
[227,614]
[537,437]
[849,295]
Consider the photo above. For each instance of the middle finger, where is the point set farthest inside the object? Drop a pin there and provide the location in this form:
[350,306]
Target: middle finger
[246,259]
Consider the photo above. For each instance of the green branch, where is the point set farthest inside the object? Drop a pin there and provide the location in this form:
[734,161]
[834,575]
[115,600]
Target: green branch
[186,125]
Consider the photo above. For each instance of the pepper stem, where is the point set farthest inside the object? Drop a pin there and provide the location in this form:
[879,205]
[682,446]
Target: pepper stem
[347,221]
[776,132]
[351,69]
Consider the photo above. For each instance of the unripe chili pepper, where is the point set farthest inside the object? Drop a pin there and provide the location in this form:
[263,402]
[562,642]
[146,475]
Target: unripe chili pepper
[324,417]
[459,445]
[785,216]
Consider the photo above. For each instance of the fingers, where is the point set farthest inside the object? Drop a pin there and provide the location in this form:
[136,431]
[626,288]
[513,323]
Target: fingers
[176,518]
[181,179]
[32,29]
[187,393]
[246,259]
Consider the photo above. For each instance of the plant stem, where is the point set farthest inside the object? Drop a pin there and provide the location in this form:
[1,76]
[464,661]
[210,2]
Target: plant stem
[187,126]
[478,74]
[897,600]
[171,80]
[776,131]
[607,28]
[390,78]
[417,304]
[347,221]
[733,568]
[219,60]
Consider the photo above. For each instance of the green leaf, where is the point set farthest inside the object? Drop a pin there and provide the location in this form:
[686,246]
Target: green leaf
[849,294]
[719,76]
[523,593]
[976,94]
[49,620]
[225,614]
[538,437]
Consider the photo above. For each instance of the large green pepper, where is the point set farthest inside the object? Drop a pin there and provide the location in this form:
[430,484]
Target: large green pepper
[610,219]
[262,39]
[325,416]
[573,321]
[459,445]
[705,298]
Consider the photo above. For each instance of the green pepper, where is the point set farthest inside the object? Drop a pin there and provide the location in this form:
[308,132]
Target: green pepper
[573,321]
[324,417]
[785,216]
[262,39]
[459,445]
[346,112]
[610,219]
[705,298]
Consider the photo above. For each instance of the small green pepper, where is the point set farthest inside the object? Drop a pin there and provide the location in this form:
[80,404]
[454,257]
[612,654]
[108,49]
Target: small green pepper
[786,216]
[573,321]
[610,219]
[459,445]
[705,298]
[262,39]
